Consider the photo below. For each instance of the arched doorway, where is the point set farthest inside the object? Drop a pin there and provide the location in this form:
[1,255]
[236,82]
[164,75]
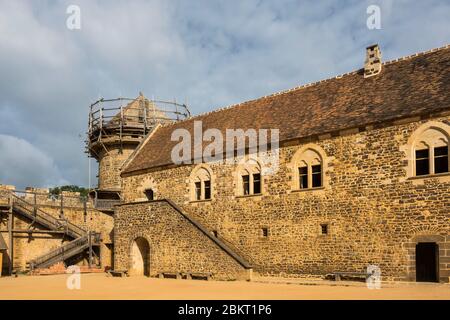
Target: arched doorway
[140,257]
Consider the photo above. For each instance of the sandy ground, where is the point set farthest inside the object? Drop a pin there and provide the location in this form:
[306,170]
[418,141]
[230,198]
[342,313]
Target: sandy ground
[99,286]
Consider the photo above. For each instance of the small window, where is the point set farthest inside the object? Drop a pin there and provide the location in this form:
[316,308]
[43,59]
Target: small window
[149,194]
[246,184]
[441,159]
[422,162]
[316,176]
[324,228]
[265,232]
[256,183]
[207,189]
[303,175]
[198,190]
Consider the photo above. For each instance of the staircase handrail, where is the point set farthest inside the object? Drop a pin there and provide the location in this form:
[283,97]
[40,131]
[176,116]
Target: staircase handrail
[83,240]
[47,217]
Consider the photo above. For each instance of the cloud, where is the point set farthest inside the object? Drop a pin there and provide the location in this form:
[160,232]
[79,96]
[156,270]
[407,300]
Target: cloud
[210,53]
[22,164]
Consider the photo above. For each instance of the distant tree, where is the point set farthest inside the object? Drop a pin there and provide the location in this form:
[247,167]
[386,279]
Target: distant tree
[57,190]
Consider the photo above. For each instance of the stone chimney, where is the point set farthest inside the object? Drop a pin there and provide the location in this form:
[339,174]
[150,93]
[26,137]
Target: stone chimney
[372,65]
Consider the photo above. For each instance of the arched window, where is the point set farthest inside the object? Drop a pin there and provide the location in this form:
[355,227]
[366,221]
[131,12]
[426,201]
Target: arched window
[308,168]
[201,186]
[429,150]
[249,178]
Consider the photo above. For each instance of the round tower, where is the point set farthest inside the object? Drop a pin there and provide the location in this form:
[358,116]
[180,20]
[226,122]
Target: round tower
[115,129]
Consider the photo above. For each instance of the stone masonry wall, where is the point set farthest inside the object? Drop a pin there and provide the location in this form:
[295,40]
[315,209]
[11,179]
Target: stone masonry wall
[176,245]
[109,167]
[26,248]
[374,211]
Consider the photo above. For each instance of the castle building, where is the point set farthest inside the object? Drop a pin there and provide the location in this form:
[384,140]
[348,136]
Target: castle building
[45,233]
[362,179]
[355,176]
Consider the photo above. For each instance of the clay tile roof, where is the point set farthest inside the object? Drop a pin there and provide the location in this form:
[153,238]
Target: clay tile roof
[406,87]
[2,244]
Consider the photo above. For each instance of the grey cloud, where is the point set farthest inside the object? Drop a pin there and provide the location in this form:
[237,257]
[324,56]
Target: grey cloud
[23,164]
[213,53]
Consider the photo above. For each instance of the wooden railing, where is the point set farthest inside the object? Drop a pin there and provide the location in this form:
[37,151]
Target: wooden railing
[106,204]
[117,112]
[40,216]
[59,254]
[66,251]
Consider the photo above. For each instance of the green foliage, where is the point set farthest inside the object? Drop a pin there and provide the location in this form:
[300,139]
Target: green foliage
[57,190]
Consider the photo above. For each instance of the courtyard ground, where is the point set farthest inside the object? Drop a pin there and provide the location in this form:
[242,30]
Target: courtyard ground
[99,286]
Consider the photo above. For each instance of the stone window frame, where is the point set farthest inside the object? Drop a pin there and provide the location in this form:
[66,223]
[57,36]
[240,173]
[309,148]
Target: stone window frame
[148,183]
[250,167]
[422,137]
[201,173]
[410,251]
[301,157]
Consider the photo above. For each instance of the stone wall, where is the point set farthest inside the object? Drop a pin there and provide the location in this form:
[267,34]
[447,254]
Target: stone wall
[27,247]
[94,220]
[373,210]
[176,244]
[110,164]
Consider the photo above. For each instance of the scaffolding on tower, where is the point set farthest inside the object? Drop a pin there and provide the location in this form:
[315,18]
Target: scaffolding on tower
[114,123]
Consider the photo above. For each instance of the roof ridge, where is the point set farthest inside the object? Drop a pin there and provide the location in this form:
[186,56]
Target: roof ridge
[417,54]
[303,86]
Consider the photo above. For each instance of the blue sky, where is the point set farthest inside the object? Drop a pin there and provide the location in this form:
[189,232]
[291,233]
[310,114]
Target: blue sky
[209,53]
